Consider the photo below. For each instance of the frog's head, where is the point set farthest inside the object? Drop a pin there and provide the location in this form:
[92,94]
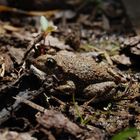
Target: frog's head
[58,64]
[46,63]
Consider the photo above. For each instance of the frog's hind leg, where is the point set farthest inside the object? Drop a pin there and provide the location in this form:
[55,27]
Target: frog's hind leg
[99,92]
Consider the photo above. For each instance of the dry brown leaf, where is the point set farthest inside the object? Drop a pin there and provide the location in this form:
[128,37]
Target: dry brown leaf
[10,28]
[54,42]
[135,50]
[122,59]
[2,30]
[106,24]
[54,119]
[132,41]
[12,135]
[17,54]
[68,14]
[6,64]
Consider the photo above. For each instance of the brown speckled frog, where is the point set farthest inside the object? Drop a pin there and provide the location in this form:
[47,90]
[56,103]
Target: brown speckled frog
[80,73]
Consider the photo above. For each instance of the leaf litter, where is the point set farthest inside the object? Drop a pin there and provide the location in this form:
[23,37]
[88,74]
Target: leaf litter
[100,25]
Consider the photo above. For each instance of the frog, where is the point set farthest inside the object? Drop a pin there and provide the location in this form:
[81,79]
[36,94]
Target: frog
[79,74]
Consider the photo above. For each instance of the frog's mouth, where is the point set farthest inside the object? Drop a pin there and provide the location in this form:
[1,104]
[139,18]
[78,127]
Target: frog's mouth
[36,64]
[42,69]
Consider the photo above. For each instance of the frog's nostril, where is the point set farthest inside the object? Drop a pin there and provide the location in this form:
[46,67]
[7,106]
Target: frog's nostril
[50,63]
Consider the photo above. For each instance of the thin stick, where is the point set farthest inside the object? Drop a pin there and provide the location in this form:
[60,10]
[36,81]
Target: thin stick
[29,103]
[32,44]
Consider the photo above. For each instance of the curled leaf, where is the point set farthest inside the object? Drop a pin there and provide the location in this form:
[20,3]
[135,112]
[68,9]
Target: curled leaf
[44,23]
[46,26]
[51,28]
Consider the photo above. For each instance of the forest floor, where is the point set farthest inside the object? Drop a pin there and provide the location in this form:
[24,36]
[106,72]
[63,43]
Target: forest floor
[32,105]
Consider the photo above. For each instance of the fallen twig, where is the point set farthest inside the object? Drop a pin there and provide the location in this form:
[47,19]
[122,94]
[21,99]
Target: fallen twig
[32,45]
[29,103]
[5,113]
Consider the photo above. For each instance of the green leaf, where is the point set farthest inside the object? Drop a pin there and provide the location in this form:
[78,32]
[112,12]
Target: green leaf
[125,134]
[138,137]
[44,23]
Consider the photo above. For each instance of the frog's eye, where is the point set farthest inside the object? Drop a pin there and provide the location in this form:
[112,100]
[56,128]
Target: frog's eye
[50,63]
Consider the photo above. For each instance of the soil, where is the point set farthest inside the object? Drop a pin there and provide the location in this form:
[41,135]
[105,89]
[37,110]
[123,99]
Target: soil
[29,108]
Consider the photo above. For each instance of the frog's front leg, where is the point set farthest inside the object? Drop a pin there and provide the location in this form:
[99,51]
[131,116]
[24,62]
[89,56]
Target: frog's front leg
[68,87]
[100,91]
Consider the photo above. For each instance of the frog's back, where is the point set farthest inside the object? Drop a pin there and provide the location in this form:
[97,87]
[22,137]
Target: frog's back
[83,67]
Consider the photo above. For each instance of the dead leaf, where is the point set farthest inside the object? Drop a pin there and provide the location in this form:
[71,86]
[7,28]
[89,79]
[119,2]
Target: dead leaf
[122,59]
[17,54]
[54,42]
[67,13]
[2,30]
[132,41]
[2,67]
[10,28]
[106,24]
[12,135]
[6,64]
[54,119]
[135,50]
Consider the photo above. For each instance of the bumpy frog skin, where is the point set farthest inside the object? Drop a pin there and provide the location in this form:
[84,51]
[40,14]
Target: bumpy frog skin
[88,76]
